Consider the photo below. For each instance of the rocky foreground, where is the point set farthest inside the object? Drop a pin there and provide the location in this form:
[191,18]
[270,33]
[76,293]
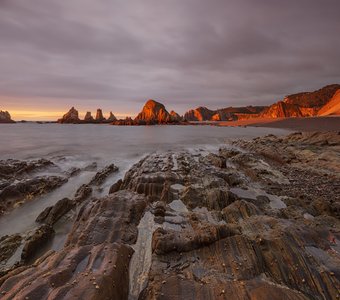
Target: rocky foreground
[257,220]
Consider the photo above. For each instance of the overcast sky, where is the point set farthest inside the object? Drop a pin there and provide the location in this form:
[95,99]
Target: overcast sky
[115,54]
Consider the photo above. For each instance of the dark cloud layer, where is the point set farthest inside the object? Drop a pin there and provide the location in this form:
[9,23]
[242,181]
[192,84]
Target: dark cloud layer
[117,53]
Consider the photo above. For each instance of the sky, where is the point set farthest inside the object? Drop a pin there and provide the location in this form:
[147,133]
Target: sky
[116,54]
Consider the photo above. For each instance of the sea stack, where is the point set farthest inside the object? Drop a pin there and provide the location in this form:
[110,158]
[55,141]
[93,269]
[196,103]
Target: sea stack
[99,116]
[5,117]
[112,117]
[175,117]
[71,117]
[88,117]
[153,113]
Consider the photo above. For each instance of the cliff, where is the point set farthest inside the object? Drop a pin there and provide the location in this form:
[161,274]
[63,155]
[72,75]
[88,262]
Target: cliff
[5,117]
[304,104]
[222,114]
[332,107]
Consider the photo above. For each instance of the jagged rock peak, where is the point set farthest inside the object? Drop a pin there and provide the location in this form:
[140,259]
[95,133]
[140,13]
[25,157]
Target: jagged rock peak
[112,117]
[72,116]
[5,117]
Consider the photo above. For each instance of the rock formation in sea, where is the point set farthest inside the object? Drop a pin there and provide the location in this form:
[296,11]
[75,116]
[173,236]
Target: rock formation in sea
[88,117]
[259,219]
[112,117]
[72,117]
[5,117]
[175,117]
[153,112]
[99,116]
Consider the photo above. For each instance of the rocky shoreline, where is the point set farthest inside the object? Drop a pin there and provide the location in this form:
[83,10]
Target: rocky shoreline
[257,220]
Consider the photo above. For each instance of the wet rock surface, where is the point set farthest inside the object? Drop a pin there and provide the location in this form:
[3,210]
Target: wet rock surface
[257,220]
[19,181]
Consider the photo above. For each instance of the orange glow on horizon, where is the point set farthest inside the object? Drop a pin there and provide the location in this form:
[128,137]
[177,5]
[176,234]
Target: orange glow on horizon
[34,115]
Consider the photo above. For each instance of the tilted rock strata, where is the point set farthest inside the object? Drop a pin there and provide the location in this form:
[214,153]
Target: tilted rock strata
[196,237]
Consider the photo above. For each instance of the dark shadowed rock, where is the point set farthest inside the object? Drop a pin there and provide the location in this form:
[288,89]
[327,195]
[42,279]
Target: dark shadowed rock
[100,177]
[5,117]
[88,117]
[38,240]
[116,186]
[112,117]
[82,193]
[99,116]
[53,213]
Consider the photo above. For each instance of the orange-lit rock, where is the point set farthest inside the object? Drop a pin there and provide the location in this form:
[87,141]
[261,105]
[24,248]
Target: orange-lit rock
[199,114]
[304,104]
[153,112]
[332,107]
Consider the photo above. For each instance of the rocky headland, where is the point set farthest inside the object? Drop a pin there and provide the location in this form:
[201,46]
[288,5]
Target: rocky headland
[5,117]
[259,219]
[323,102]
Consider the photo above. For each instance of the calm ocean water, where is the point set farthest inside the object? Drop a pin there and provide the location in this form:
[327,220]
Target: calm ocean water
[105,142]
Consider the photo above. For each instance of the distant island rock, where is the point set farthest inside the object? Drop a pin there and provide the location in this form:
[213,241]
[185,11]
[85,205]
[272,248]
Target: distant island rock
[5,117]
[72,117]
